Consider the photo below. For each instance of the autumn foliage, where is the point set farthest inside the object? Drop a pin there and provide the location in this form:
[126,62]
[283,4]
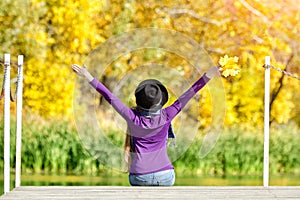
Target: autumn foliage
[54,34]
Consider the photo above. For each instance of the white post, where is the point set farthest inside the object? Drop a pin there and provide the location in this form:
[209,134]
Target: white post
[267,121]
[6,123]
[19,121]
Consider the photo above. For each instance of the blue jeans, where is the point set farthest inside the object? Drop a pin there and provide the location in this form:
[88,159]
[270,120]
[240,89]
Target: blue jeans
[162,178]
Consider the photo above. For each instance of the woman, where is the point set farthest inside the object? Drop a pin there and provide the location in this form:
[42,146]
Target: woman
[148,125]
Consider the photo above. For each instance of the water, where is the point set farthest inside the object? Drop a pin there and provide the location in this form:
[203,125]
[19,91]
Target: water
[122,180]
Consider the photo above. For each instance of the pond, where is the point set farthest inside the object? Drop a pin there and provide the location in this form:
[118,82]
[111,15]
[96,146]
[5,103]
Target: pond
[122,180]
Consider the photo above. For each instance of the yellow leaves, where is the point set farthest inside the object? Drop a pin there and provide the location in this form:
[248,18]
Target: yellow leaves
[232,33]
[55,34]
[283,108]
[163,22]
[229,65]
[75,44]
[47,88]
[237,4]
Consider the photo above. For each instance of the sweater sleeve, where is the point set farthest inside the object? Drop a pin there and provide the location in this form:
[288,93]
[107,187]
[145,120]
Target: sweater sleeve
[179,104]
[116,103]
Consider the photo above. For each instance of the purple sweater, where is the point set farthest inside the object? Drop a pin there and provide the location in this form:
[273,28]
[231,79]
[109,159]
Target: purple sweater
[149,134]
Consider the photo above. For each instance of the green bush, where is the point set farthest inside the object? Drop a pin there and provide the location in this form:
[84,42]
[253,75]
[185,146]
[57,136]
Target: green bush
[51,148]
[240,152]
[55,147]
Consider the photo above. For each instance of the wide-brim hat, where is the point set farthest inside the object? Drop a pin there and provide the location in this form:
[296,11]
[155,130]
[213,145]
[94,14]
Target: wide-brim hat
[151,94]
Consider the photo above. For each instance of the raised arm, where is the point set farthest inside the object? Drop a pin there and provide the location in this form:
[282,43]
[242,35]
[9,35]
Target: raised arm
[117,104]
[83,72]
[179,104]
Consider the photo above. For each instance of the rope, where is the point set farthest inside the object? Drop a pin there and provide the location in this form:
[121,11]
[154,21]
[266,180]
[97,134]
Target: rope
[12,64]
[282,71]
[2,89]
[12,97]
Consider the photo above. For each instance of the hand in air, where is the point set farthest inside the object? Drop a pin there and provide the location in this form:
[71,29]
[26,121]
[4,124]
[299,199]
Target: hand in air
[82,71]
[212,72]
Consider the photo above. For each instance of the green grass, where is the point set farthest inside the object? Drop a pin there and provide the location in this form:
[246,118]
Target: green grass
[240,152]
[55,147]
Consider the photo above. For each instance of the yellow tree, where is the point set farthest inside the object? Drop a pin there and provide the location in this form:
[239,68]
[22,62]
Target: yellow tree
[262,29]
[51,35]
[234,27]
[67,28]
[21,32]
[54,34]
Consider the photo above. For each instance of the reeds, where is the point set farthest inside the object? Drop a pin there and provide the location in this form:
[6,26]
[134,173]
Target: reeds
[55,147]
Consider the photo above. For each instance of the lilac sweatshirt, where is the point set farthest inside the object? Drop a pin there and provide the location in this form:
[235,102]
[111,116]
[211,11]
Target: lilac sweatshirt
[149,134]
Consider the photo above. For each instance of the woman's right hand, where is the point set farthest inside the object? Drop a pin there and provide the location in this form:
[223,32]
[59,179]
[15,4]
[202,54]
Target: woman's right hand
[212,72]
[82,71]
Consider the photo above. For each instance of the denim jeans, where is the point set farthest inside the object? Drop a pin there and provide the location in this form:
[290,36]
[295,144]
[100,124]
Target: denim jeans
[162,178]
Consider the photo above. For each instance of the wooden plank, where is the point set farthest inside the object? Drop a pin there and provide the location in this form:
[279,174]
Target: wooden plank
[176,192]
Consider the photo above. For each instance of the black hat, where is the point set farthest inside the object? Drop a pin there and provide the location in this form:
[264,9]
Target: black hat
[151,94]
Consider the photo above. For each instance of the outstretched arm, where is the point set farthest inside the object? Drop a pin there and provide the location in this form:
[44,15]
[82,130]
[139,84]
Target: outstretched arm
[179,104]
[117,104]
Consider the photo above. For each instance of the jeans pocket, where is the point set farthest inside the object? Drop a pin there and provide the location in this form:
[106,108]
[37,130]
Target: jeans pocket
[166,179]
[139,180]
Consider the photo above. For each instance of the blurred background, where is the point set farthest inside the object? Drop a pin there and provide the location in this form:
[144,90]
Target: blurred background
[54,34]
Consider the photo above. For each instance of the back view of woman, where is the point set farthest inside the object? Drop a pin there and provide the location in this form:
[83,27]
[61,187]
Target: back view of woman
[148,125]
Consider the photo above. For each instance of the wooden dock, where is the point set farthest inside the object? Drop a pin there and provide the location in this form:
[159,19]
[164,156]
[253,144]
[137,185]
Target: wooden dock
[175,192]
